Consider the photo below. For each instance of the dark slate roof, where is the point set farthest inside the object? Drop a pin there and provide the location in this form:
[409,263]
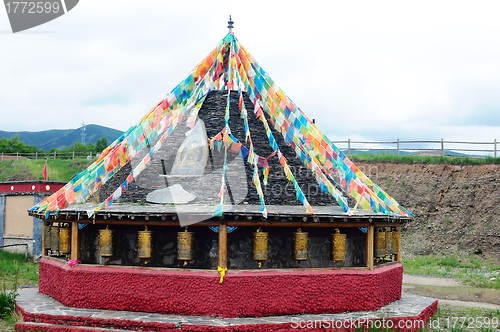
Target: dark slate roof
[279,190]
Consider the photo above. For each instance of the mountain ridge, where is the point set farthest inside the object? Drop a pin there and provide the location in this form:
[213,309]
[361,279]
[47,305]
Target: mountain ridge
[60,138]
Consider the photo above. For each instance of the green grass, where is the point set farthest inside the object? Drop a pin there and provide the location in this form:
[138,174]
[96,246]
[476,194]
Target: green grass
[424,159]
[14,269]
[57,170]
[453,318]
[469,270]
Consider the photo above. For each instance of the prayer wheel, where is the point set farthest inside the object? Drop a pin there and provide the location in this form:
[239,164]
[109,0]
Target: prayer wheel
[389,243]
[260,245]
[185,246]
[145,248]
[47,238]
[106,242]
[338,246]
[300,240]
[396,239]
[64,240]
[54,238]
[379,242]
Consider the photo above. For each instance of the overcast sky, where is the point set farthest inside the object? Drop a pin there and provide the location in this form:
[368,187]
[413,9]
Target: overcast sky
[372,70]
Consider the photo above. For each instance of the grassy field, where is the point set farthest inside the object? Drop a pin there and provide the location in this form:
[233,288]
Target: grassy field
[424,159]
[57,169]
[15,269]
[457,319]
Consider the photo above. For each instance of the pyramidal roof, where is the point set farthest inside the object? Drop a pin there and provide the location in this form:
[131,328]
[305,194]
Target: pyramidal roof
[227,134]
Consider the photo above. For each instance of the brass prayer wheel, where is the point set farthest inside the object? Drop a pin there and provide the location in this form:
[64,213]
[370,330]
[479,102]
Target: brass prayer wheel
[185,246]
[389,243]
[396,239]
[145,248]
[64,240]
[379,242]
[54,238]
[338,246]
[106,242]
[300,245]
[47,238]
[260,245]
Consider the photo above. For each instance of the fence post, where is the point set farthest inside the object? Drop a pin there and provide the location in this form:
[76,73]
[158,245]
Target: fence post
[442,148]
[36,155]
[348,146]
[2,155]
[17,155]
[495,147]
[73,154]
[55,155]
[398,147]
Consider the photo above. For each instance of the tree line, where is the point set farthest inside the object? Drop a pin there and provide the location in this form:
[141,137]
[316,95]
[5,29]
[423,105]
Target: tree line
[14,145]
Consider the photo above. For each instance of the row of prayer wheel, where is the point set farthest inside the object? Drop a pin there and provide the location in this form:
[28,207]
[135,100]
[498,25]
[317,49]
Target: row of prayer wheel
[57,238]
[185,244]
[260,245]
[337,246]
[386,244]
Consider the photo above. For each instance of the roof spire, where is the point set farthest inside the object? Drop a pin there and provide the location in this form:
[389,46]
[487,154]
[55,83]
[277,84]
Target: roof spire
[230,24]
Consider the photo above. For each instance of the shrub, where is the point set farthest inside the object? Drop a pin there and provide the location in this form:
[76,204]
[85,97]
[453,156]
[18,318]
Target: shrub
[7,301]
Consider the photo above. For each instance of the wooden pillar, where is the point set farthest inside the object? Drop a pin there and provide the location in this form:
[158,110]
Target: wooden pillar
[369,247]
[45,252]
[223,244]
[398,256]
[74,240]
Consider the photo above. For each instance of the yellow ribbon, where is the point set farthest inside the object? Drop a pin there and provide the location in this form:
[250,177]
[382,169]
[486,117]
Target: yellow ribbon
[222,273]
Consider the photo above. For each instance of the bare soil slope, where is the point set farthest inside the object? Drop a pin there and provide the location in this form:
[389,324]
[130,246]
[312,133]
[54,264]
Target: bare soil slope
[457,208]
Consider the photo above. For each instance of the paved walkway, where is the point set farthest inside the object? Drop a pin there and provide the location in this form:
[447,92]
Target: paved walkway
[409,279]
[34,302]
[430,281]
[469,304]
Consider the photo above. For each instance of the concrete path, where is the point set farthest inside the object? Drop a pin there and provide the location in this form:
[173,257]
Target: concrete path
[444,282]
[470,304]
[429,281]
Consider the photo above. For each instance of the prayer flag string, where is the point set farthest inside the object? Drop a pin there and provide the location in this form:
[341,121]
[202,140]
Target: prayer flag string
[231,67]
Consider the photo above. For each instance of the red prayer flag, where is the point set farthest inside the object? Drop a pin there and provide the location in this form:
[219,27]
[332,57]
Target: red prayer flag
[45,171]
[236,147]
[262,162]
[61,201]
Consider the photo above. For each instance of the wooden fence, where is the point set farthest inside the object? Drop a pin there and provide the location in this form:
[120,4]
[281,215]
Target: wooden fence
[441,147]
[51,155]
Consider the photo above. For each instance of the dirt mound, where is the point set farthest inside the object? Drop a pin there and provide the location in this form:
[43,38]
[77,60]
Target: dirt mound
[23,175]
[457,208]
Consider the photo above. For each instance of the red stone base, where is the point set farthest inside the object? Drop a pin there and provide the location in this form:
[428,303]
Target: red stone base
[242,293]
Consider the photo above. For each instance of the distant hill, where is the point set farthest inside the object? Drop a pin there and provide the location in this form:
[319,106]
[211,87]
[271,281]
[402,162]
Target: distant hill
[59,138]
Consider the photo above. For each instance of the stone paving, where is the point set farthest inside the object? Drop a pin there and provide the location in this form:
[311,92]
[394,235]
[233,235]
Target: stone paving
[33,301]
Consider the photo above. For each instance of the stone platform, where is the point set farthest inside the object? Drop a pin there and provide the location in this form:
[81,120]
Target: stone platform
[43,313]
